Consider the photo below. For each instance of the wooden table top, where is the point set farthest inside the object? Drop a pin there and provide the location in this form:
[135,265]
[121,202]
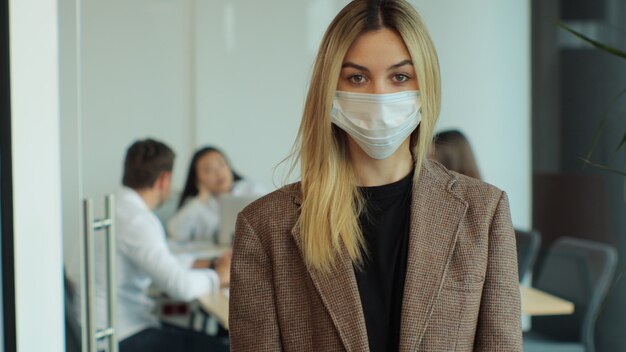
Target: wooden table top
[216,304]
[536,302]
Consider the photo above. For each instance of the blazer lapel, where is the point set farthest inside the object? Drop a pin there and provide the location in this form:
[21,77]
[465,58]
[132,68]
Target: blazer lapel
[340,294]
[435,218]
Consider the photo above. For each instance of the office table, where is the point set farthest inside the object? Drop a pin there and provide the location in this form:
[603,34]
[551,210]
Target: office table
[534,302]
[216,304]
[537,302]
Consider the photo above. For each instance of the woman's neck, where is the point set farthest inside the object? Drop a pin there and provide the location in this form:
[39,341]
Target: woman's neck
[372,172]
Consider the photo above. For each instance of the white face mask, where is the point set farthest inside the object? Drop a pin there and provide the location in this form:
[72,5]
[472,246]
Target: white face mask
[379,123]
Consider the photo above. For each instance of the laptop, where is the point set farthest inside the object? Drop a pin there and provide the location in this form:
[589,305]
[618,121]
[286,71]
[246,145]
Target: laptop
[230,206]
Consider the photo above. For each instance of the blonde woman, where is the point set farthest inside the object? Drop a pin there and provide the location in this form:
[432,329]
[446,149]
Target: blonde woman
[376,248]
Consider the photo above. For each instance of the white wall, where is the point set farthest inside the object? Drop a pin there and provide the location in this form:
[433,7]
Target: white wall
[253,63]
[484,49]
[36,175]
[136,83]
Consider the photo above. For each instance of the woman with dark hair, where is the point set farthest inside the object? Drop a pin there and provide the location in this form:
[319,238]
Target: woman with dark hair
[210,175]
[452,149]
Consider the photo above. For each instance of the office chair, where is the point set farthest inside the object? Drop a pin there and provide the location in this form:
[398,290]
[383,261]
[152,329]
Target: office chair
[528,243]
[579,271]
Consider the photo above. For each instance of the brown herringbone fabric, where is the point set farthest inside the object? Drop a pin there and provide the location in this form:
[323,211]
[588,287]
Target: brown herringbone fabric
[461,290]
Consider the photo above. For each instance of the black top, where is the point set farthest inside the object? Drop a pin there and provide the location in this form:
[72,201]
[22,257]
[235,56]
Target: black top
[385,226]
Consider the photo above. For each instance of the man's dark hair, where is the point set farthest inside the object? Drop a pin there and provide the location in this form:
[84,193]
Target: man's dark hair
[145,161]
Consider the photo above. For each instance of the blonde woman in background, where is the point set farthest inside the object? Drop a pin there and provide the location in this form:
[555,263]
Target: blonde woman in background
[376,248]
[452,149]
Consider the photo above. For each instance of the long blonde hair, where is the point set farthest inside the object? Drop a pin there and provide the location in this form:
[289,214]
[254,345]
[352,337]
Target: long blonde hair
[331,202]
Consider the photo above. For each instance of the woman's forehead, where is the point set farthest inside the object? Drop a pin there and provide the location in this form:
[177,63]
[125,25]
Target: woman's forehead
[381,48]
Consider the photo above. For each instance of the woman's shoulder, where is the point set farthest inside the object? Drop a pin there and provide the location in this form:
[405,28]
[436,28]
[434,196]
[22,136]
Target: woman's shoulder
[467,189]
[480,198]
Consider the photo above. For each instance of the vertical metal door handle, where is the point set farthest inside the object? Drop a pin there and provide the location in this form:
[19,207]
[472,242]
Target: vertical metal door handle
[111,284]
[90,335]
[87,284]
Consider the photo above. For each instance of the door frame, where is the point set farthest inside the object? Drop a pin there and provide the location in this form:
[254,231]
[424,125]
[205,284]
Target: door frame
[6,188]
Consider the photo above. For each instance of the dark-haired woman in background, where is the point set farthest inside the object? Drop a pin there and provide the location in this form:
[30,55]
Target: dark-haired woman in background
[452,149]
[210,175]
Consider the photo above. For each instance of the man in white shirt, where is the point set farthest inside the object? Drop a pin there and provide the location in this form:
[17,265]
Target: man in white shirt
[143,258]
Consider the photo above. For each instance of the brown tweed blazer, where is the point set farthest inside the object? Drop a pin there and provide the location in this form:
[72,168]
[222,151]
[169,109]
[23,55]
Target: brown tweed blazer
[461,289]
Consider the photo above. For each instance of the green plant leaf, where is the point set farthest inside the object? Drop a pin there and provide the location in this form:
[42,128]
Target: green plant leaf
[607,48]
[596,137]
[603,167]
[600,126]
[622,142]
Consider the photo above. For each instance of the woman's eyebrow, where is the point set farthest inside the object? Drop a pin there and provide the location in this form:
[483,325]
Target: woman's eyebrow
[400,64]
[353,65]
[365,69]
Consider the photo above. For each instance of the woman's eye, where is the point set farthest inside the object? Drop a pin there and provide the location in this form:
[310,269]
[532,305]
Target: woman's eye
[357,79]
[401,77]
